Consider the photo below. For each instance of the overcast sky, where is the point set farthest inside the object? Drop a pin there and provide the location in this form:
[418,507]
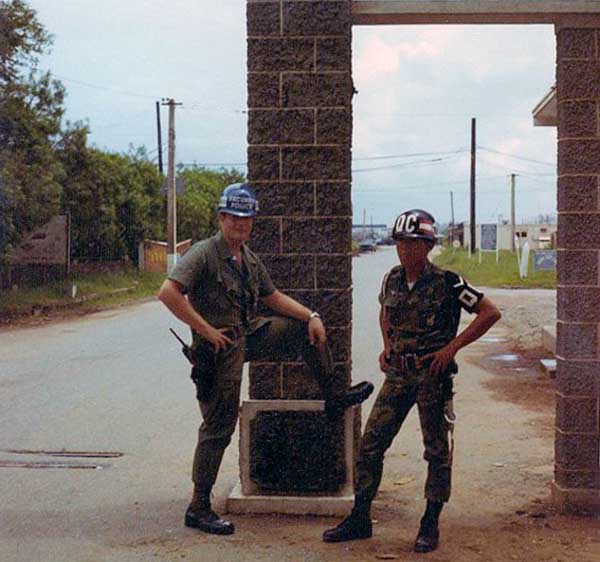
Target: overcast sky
[419,87]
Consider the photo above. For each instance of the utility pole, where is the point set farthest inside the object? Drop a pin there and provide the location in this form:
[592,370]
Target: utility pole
[171,194]
[160,161]
[473,218]
[512,211]
[451,229]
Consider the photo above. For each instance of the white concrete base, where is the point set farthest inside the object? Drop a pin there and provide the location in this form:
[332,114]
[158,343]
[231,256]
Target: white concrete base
[548,366]
[338,505]
[549,338]
[247,497]
[250,408]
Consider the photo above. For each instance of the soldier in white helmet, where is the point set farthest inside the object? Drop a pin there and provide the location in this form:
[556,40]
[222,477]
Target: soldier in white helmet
[421,306]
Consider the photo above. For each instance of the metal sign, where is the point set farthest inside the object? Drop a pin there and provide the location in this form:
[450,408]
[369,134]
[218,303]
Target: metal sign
[544,260]
[489,237]
[46,245]
[179,187]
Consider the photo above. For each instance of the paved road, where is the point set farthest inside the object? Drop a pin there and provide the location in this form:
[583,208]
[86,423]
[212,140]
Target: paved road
[114,382]
[111,383]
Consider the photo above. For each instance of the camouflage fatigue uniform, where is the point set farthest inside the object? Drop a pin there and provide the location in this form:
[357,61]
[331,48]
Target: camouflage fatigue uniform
[421,320]
[226,294]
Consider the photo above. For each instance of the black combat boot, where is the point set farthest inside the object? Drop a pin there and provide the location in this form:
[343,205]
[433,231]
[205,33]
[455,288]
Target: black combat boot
[428,537]
[357,525]
[200,516]
[335,407]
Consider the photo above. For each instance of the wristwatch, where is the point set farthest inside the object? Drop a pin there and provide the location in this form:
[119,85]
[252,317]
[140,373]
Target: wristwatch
[314,315]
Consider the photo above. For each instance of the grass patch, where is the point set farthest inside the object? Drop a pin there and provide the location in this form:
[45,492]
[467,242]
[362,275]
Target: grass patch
[505,273]
[98,290]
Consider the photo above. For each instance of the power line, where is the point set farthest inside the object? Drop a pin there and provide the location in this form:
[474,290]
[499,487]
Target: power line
[517,157]
[387,157]
[530,172]
[424,186]
[105,88]
[409,155]
[407,164]
[204,109]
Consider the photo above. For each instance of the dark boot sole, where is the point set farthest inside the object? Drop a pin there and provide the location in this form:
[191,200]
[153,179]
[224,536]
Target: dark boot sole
[347,538]
[207,527]
[425,549]
[361,392]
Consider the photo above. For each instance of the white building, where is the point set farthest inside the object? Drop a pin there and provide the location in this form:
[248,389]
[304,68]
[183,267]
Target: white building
[540,236]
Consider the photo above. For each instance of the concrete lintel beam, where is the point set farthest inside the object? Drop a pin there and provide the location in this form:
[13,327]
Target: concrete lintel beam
[380,12]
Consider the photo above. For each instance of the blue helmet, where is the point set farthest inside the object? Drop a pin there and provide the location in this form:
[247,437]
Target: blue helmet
[239,200]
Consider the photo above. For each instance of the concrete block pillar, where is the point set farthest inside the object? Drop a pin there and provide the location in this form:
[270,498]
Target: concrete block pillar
[299,157]
[577,447]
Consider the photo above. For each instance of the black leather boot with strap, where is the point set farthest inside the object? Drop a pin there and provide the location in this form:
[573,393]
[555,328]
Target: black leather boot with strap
[357,525]
[200,515]
[335,407]
[428,537]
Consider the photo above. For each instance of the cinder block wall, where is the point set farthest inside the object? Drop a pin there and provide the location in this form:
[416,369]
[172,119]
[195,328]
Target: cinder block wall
[577,472]
[299,155]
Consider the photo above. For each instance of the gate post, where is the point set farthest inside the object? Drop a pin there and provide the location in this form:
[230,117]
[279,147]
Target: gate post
[577,445]
[299,162]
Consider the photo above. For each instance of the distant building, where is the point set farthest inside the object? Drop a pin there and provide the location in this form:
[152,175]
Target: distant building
[370,231]
[540,236]
[545,113]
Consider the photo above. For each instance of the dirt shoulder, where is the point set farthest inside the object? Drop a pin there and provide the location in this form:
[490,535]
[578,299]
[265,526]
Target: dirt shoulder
[525,312]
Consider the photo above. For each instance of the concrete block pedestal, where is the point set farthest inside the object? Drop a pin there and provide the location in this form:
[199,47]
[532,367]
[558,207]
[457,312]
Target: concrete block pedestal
[249,497]
[574,500]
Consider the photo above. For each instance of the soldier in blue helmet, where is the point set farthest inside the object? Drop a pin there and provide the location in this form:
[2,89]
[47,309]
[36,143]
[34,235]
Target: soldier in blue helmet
[420,311]
[216,289]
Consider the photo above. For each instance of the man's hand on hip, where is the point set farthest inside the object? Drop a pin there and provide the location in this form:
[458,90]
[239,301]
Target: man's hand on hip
[216,336]
[440,359]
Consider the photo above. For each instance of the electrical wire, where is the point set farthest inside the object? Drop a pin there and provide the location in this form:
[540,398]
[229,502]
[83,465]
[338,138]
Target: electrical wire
[524,172]
[409,155]
[423,186]
[104,88]
[517,157]
[414,163]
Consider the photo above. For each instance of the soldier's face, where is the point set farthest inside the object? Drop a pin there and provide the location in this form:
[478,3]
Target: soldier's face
[236,229]
[412,250]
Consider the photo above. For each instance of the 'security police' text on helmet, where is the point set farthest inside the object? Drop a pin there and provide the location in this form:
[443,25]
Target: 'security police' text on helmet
[415,223]
[239,200]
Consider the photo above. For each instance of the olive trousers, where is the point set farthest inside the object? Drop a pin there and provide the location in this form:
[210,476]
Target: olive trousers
[278,338]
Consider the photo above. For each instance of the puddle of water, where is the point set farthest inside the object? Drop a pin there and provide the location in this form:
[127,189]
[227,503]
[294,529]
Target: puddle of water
[506,357]
[493,339]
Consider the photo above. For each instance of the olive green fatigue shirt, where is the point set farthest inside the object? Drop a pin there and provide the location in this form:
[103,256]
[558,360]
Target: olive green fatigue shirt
[223,292]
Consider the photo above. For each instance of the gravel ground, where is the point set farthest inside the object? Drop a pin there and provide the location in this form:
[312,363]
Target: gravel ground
[525,312]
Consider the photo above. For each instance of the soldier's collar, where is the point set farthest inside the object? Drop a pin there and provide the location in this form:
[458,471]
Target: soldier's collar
[225,252]
[222,246]
[427,270]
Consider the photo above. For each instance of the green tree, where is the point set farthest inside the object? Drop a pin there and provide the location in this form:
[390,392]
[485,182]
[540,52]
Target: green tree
[113,199]
[197,209]
[22,39]
[31,110]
